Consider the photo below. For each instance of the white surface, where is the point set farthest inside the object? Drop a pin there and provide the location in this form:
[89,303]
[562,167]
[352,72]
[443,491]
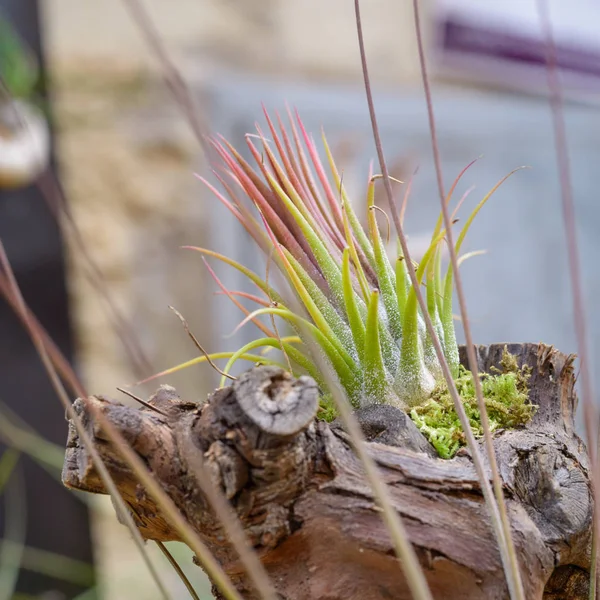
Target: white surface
[574,23]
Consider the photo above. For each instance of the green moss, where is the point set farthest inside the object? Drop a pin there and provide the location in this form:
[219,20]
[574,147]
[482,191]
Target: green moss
[327,409]
[506,395]
[505,392]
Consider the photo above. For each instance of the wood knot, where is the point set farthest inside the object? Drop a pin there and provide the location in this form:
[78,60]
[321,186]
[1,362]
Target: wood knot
[275,401]
[555,491]
[227,467]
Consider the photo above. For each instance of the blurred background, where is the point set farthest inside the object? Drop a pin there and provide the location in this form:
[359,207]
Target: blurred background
[114,164]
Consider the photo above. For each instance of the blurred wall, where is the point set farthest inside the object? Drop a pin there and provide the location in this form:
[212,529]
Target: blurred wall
[309,37]
[127,156]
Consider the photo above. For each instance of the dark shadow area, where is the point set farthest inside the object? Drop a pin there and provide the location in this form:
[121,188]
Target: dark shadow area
[56,520]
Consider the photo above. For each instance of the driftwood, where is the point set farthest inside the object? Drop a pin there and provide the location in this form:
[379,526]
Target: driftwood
[303,501]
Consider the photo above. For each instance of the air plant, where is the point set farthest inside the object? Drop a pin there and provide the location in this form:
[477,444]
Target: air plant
[361,309]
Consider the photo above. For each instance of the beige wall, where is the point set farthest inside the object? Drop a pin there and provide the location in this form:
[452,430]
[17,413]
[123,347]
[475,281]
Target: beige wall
[294,36]
[127,157]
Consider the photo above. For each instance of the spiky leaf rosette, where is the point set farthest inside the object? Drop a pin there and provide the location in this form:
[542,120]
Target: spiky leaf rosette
[359,307]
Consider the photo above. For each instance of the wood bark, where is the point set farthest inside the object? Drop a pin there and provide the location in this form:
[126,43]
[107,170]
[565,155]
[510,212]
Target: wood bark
[301,495]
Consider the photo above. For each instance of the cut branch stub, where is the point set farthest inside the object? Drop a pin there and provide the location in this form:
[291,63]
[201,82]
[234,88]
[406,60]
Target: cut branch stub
[304,503]
[275,401]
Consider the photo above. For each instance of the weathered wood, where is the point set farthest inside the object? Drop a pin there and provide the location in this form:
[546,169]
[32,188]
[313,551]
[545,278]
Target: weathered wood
[302,498]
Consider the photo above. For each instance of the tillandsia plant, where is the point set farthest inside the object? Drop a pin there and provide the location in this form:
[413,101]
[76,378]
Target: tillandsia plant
[360,307]
[306,234]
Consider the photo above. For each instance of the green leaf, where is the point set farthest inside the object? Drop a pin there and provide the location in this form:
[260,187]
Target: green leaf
[356,323]
[376,379]
[439,292]
[292,192]
[413,381]
[402,284]
[359,232]
[429,354]
[340,329]
[449,195]
[360,274]
[294,355]
[255,358]
[385,274]
[330,269]
[410,329]
[56,566]
[253,277]
[447,320]
[312,308]
[345,367]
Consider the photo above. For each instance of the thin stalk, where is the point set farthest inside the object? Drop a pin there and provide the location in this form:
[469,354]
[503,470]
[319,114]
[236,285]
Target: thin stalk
[470,438]
[354,319]
[509,557]
[133,460]
[12,546]
[38,342]
[199,346]
[142,402]
[55,200]
[375,377]
[56,566]
[231,524]
[29,442]
[89,594]
[579,313]
[254,358]
[184,98]
[8,462]
[594,571]
[594,565]
[59,361]
[171,75]
[296,356]
[273,323]
[410,565]
[178,569]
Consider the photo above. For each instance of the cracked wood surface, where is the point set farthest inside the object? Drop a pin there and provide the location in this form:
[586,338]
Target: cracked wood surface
[302,498]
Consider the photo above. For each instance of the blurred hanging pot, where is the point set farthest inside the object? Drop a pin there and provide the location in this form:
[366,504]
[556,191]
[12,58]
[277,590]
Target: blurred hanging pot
[24,130]
[24,143]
